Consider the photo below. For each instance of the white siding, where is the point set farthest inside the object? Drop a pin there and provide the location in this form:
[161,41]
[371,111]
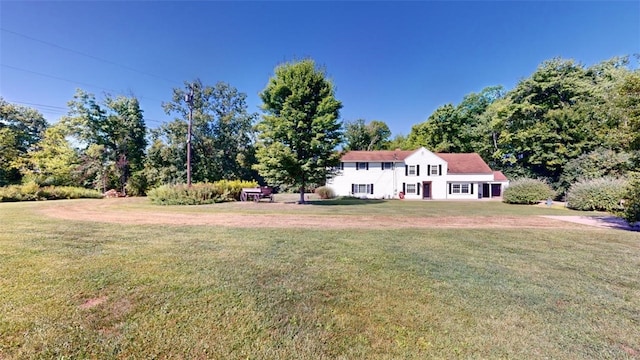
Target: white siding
[389,183]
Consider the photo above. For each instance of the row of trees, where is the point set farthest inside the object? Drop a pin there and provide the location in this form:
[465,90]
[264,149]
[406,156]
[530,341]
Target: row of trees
[564,122]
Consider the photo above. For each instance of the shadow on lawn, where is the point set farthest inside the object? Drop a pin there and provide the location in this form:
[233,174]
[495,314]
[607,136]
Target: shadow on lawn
[347,201]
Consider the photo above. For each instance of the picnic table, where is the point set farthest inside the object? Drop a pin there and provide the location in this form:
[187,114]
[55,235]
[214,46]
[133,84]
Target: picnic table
[257,193]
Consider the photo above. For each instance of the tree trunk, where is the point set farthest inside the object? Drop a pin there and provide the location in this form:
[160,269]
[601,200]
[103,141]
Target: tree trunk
[302,195]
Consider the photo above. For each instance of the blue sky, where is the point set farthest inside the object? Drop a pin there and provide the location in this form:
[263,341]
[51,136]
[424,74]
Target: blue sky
[390,61]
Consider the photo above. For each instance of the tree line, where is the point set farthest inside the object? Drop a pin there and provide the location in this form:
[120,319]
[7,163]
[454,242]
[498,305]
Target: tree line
[564,122]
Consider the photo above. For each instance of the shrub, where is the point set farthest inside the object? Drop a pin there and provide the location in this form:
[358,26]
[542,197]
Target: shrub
[200,193]
[325,192]
[631,208]
[527,191]
[31,191]
[602,194]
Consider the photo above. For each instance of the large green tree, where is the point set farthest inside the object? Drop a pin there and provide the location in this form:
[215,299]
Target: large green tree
[362,136]
[21,128]
[116,127]
[222,136]
[54,161]
[299,131]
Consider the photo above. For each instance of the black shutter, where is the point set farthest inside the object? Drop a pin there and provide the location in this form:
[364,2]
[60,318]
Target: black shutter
[404,188]
[406,170]
[353,188]
[471,189]
[371,189]
[449,188]
[382,165]
[357,165]
[367,166]
[428,170]
[440,171]
[341,166]
[418,188]
[417,170]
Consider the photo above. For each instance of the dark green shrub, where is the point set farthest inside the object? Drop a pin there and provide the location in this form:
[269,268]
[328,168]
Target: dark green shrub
[325,192]
[631,207]
[602,194]
[200,193]
[527,191]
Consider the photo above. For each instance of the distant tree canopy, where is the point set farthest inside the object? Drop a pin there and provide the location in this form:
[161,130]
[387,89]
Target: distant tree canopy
[563,111]
[222,136]
[564,123]
[361,136]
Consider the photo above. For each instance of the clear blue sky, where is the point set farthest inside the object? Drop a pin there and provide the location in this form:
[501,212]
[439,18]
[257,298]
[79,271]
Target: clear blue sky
[390,61]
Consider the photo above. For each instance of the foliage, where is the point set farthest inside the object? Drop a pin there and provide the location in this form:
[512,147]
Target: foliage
[222,136]
[631,205]
[458,128]
[399,142]
[53,162]
[325,192]
[199,193]
[112,136]
[21,128]
[563,110]
[299,131]
[596,164]
[32,191]
[527,191]
[368,137]
[602,194]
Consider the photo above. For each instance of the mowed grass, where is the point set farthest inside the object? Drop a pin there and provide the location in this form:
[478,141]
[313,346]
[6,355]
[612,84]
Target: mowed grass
[95,290]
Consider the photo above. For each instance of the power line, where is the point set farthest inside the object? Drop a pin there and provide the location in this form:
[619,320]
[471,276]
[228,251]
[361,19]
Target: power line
[71,81]
[62,110]
[56,77]
[89,56]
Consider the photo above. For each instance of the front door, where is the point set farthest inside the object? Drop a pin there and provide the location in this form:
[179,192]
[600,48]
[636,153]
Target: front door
[486,191]
[426,190]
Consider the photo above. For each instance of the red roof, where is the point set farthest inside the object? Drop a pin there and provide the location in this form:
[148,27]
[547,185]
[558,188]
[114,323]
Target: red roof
[379,155]
[469,163]
[499,176]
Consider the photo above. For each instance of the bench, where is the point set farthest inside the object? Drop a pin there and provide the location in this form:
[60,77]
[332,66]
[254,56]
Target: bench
[255,194]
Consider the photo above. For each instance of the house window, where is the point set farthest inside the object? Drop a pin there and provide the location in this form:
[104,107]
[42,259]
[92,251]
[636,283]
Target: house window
[362,188]
[362,166]
[462,188]
[387,165]
[434,170]
[411,188]
[412,170]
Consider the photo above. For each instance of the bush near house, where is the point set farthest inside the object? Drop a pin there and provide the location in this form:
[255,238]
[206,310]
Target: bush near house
[200,193]
[32,192]
[527,191]
[325,192]
[603,194]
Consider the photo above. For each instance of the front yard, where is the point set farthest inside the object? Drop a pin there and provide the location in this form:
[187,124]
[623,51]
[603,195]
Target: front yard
[90,284]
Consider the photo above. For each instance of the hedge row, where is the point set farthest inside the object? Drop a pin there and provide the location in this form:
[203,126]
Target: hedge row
[32,192]
[200,193]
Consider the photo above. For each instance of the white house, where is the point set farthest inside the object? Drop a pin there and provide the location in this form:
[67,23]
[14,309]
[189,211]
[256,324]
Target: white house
[417,174]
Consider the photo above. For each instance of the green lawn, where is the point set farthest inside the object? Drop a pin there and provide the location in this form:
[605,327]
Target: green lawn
[97,290]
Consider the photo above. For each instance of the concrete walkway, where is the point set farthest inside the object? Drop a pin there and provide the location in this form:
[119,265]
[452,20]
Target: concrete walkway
[608,222]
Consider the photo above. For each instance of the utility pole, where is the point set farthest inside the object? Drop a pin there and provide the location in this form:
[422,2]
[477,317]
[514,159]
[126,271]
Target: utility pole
[188,98]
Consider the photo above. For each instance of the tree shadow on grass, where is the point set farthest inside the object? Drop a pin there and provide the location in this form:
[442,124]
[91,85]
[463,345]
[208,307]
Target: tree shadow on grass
[346,201]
